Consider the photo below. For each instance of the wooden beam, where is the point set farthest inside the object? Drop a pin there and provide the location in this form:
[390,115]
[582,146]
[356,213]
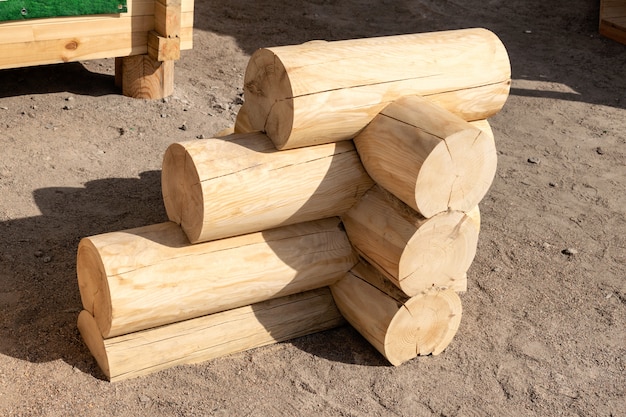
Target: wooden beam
[220,187]
[319,92]
[211,336]
[413,252]
[144,77]
[428,157]
[151,276]
[398,326]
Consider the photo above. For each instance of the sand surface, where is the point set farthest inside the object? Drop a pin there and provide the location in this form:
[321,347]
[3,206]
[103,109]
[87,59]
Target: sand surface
[544,322]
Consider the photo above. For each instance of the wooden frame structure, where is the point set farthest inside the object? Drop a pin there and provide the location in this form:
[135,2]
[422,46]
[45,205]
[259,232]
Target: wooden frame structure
[613,20]
[145,41]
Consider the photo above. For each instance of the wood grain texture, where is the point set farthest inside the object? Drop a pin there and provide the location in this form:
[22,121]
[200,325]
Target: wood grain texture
[413,252]
[208,337]
[398,326]
[328,91]
[150,276]
[240,184]
[613,20]
[65,39]
[147,78]
[426,156]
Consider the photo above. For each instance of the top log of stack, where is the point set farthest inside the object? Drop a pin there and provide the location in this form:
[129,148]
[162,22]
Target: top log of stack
[322,92]
[406,190]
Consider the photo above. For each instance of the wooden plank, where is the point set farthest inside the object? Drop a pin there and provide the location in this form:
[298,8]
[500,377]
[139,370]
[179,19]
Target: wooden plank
[66,50]
[93,26]
[21,54]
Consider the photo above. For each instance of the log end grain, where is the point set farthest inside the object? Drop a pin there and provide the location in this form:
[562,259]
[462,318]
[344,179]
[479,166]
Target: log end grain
[181,189]
[426,324]
[457,174]
[90,333]
[93,284]
[440,252]
[269,97]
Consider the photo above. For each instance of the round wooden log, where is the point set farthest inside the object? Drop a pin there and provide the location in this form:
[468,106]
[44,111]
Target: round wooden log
[428,157]
[399,327]
[413,252]
[211,336]
[150,276]
[319,92]
[240,184]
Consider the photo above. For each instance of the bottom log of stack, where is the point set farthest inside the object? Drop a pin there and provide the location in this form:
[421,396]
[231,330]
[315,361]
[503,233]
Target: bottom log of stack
[211,336]
[398,326]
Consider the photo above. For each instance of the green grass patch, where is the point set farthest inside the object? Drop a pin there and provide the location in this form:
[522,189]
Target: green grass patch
[32,9]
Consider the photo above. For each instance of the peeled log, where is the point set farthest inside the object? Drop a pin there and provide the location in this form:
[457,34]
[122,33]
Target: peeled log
[321,92]
[150,276]
[211,336]
[427,157]
[241,184]
[413,252]
[399,327]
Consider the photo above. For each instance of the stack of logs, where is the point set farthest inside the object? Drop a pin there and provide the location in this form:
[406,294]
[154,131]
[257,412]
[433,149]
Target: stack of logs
[348,190]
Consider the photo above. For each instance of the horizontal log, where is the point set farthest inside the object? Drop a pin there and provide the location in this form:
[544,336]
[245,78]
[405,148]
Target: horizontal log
[211,336]
[150,276]
[328,91]
[238,184]
[428,157]
[399,327]
[413,252]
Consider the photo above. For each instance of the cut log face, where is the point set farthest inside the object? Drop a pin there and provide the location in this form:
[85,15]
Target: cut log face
[398,326]
[413,252]
[241,184]
[207,337]
[429,158]
[320,92]
[151,276]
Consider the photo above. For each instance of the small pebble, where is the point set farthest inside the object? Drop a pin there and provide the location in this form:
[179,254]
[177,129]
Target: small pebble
[528,32]
[201,136]
[67,107]
[4,108]
[70,98]
[183,127]
[569,251]
[47,259]
[534,160]
[163,115]
[553,184]
[599,151]
[38,254]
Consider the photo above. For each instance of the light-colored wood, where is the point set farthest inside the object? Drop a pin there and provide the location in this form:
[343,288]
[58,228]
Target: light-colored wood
[426,156]
[64,39]
[240,184]
[613,20]
[167,18]
[162,48]
[142,278]
[328,91]
[413,252]
[399,327]
[144,77]
[208,337]
[242,123]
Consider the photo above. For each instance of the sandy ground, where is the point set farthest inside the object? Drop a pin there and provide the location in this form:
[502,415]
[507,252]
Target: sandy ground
[543,329]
